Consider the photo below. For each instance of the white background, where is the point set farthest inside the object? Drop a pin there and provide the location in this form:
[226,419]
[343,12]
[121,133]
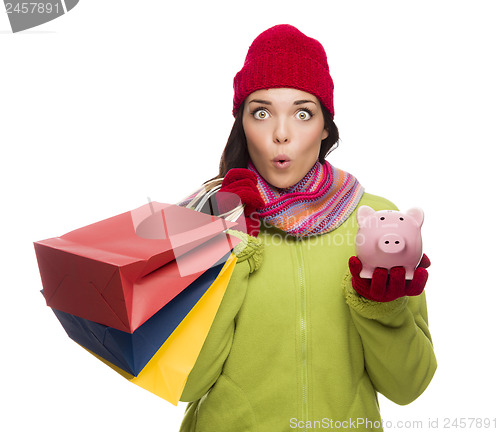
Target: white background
[121,100]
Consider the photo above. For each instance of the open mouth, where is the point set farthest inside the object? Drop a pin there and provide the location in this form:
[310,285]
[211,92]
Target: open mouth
[281,161]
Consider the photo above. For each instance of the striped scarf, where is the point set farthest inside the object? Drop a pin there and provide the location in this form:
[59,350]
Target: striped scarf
[317,204]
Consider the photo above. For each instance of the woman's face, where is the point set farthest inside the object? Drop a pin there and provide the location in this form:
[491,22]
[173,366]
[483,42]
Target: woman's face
[284,128]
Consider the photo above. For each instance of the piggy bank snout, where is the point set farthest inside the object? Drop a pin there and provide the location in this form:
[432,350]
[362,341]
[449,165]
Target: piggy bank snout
[391,243]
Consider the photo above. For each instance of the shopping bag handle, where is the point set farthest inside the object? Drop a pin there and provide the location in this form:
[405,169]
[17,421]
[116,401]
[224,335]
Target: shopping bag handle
[202,197]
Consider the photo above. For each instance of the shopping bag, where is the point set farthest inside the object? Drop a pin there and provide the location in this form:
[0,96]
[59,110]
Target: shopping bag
[119,272]
[166,373]
[132,351]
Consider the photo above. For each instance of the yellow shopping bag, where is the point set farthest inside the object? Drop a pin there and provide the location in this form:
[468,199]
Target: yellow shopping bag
[166,373]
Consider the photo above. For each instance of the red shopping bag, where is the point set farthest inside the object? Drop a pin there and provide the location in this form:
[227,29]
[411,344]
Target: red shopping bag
[119,272]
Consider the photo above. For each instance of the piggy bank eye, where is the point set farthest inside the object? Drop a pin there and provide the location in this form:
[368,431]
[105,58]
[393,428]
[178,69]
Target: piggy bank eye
[382,218]
[401,218]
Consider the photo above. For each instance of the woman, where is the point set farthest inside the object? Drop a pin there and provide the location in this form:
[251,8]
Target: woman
[300,341]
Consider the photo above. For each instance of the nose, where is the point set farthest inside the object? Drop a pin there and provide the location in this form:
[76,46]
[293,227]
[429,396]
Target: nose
[281,133]
[391,243]
[280,139]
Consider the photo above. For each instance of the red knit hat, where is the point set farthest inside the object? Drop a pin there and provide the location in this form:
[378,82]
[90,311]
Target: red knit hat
[282,56]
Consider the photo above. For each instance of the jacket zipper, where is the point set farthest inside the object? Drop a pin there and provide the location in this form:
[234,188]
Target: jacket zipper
[304,385]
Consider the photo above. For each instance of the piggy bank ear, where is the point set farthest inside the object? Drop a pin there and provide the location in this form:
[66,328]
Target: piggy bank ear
[363,214]
[417,214]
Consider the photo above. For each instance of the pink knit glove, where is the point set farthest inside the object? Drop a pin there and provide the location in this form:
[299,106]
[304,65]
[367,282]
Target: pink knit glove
[243,183]
[385,287]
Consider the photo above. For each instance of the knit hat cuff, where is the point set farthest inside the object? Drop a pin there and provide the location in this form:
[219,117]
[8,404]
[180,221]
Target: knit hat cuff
[288,70]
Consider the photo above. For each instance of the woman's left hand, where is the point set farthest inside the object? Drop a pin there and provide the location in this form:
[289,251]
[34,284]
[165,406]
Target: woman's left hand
[385,286]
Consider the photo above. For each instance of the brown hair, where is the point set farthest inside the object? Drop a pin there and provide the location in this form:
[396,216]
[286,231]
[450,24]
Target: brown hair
[235,154]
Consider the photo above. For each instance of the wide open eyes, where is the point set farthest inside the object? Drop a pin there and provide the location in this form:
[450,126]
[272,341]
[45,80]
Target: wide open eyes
[260,114]
[304,114]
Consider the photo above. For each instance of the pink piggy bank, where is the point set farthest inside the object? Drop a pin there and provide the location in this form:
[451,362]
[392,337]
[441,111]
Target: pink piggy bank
[389,238]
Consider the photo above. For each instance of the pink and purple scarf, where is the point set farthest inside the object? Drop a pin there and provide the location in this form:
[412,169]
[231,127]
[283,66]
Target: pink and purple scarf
[317,204]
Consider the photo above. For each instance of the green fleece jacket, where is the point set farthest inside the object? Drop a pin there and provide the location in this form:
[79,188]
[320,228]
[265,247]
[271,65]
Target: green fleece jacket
[294,347]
